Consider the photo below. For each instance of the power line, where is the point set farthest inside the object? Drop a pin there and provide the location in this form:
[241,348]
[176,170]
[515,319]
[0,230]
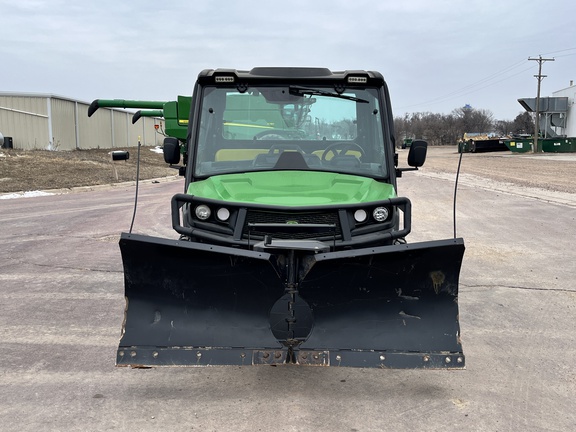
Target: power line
[488,78]
[565,55]
[473,87]
[562,50]
[462,91]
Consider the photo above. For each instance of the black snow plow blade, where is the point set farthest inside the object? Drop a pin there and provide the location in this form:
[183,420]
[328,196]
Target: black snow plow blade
[190,304]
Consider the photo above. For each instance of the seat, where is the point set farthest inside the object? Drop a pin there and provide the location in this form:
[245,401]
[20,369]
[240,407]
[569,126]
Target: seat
[291,160]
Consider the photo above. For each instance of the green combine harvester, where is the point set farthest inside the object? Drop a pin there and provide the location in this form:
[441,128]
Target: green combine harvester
[292,238]
[175,113]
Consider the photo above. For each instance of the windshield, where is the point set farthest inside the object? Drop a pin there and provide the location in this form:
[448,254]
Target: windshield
[290,127]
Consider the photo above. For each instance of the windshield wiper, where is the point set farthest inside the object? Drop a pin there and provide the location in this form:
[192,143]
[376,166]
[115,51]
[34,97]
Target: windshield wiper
[300,91]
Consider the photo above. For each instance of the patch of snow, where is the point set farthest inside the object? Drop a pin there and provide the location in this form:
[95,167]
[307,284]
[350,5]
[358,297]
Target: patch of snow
[157,149]
[28,194]
[559,157]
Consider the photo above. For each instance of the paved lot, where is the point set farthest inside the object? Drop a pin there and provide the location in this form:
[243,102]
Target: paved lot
[61,305]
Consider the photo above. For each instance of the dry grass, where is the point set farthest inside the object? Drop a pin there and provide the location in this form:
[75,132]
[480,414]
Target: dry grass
[43,170]
[550,171]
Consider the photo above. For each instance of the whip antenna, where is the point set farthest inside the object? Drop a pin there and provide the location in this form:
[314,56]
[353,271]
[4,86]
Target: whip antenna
[137,181]
[455,190]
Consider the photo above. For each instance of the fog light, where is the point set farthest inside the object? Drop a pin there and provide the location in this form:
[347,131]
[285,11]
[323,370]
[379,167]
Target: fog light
[203,212]
[380,214]
[223,214]
[360,215]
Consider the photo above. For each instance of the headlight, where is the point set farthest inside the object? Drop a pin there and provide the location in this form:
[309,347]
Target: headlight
[360,216]
[203,212]
[223,214]
[380,214]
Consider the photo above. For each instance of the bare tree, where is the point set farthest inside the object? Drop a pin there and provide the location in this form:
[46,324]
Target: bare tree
[474,120]
[442,129]
[523,123]
[503,127]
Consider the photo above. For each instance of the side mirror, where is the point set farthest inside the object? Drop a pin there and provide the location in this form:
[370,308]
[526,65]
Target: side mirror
[171,150]
[417,153]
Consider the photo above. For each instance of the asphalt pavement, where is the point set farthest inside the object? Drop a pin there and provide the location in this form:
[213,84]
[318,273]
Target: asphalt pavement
[61,310]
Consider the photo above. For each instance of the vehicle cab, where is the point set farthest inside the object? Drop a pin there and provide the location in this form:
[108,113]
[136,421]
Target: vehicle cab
[305,147]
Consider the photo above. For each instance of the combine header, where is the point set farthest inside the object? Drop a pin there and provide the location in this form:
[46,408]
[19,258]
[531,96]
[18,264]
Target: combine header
[292,242]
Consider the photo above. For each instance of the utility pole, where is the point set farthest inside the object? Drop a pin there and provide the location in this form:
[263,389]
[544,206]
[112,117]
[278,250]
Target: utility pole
[539,77]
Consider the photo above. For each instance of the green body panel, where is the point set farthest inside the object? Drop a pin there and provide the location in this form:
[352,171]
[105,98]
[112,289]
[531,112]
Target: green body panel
[176,117]
[292,188]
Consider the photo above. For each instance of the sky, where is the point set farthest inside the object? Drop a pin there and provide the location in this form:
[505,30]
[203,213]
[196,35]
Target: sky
[436,55]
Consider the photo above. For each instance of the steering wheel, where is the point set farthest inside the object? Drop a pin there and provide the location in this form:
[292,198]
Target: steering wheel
[341,148]
[274,134]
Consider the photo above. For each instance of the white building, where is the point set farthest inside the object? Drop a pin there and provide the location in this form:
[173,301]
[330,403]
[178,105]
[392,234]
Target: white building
[570,93]
[48,122]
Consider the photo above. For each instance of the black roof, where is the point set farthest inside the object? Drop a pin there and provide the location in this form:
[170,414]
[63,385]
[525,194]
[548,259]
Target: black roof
[290,73]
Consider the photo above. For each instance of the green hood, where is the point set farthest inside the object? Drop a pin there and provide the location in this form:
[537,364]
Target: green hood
[292,188]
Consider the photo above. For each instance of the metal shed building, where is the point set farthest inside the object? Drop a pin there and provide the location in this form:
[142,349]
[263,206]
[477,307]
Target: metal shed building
[32,121]
[570,93]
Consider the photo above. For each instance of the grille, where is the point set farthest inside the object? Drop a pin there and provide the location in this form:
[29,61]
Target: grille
[330,217]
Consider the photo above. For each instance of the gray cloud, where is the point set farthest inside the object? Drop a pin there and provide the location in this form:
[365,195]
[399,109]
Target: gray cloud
[436,56]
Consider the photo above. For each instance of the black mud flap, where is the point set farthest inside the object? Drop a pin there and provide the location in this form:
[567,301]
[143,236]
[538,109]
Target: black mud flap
[191,304]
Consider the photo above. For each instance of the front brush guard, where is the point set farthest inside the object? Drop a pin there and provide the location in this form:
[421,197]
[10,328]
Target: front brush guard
[217,234]
[193,304]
